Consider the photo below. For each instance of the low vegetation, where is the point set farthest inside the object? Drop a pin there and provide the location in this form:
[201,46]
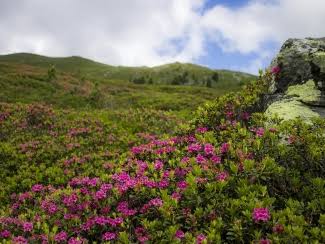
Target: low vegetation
[227,175]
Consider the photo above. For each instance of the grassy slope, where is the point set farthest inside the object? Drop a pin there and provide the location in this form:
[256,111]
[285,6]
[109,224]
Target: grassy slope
[83,83]
[91,69]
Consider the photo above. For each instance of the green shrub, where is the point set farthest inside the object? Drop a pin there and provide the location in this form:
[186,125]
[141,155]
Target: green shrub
[228,176]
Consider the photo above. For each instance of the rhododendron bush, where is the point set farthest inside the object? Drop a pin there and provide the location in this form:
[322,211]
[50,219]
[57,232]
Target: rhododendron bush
[227,176]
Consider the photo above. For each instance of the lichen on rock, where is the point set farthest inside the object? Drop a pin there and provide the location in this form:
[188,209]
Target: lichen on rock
[294,103]
[319,60]
[300,60]
[298,89]
[306,93]
[290,108]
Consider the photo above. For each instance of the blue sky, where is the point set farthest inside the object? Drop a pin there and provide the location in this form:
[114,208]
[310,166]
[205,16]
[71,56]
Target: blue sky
[223,34]
[229,3]
[216,58]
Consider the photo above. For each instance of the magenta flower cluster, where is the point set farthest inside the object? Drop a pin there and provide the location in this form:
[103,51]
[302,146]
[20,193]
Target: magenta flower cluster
[261,215]
[150,183]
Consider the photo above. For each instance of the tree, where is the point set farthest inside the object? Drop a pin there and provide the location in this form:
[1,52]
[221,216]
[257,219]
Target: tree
[138,80]
[150,81]
[209,82]
[215,76]
[181,78]
[51,73]
[96,97]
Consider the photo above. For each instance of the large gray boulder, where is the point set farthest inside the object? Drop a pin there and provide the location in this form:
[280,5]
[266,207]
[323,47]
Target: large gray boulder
[298,87]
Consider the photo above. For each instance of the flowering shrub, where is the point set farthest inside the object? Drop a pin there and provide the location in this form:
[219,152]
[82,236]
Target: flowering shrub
[226,177]
[275,70]
[261,214]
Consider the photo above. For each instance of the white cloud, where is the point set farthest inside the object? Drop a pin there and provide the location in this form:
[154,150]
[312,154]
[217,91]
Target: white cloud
[250,28]
[246,29]
[147,32]
[117,32]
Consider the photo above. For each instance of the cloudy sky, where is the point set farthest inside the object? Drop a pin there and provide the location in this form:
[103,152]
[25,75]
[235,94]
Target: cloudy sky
[231,34]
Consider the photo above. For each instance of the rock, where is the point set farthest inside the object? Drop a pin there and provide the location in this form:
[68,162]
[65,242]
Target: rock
[295,102]
[306,93]
[298,87]
[290,109]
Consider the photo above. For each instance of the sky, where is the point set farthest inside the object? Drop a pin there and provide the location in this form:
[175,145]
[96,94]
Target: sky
[223,34]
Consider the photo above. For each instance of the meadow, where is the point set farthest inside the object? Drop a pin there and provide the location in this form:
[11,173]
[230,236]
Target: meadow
[119,162]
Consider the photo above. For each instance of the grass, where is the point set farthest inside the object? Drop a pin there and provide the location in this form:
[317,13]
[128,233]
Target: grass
[88,69]
[84,84]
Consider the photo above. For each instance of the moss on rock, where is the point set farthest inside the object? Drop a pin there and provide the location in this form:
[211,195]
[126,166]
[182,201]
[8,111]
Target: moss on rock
[294,103]
[307,92]
[319,60]
[290,109]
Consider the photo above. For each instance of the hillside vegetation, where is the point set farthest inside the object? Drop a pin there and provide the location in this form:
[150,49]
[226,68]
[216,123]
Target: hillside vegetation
[164,74]
[227,176]
[80,83]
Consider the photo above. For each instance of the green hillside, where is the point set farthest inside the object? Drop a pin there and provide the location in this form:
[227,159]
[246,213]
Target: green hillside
[164,74]
[81,83]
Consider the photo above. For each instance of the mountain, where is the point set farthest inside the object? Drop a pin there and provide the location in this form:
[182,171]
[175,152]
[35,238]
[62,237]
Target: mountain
[174,73]
[82,83]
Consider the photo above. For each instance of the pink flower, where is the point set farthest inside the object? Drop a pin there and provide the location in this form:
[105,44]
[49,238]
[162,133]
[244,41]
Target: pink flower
[37,188]
[163,183]
[73,240]
[52,208]
[275,70]
[61,236]
[108,236]
[202,129]
[278,228]
[229,114]
[182,185]
[208,149]
[5,234]
[70,200]
[245,116]
[201,180]
[106,187]
[260,132]
[157,202]
[179,172]
[27,226]
[222,176]
[200,238]
[100,195]
[261,214]
[123,208]
[100,220]
[273,130]
[19,240]
[143,239]
[216,159]
[49,207]
[225,147]
[24,196]
[291,139]
[179,234]
[185,160]
[265,241]
[194,148]
[158,165]
[200,159]
[176,195]
[93,181]
[141,234]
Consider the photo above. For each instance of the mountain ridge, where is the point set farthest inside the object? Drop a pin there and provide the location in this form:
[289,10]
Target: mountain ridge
[80,58]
